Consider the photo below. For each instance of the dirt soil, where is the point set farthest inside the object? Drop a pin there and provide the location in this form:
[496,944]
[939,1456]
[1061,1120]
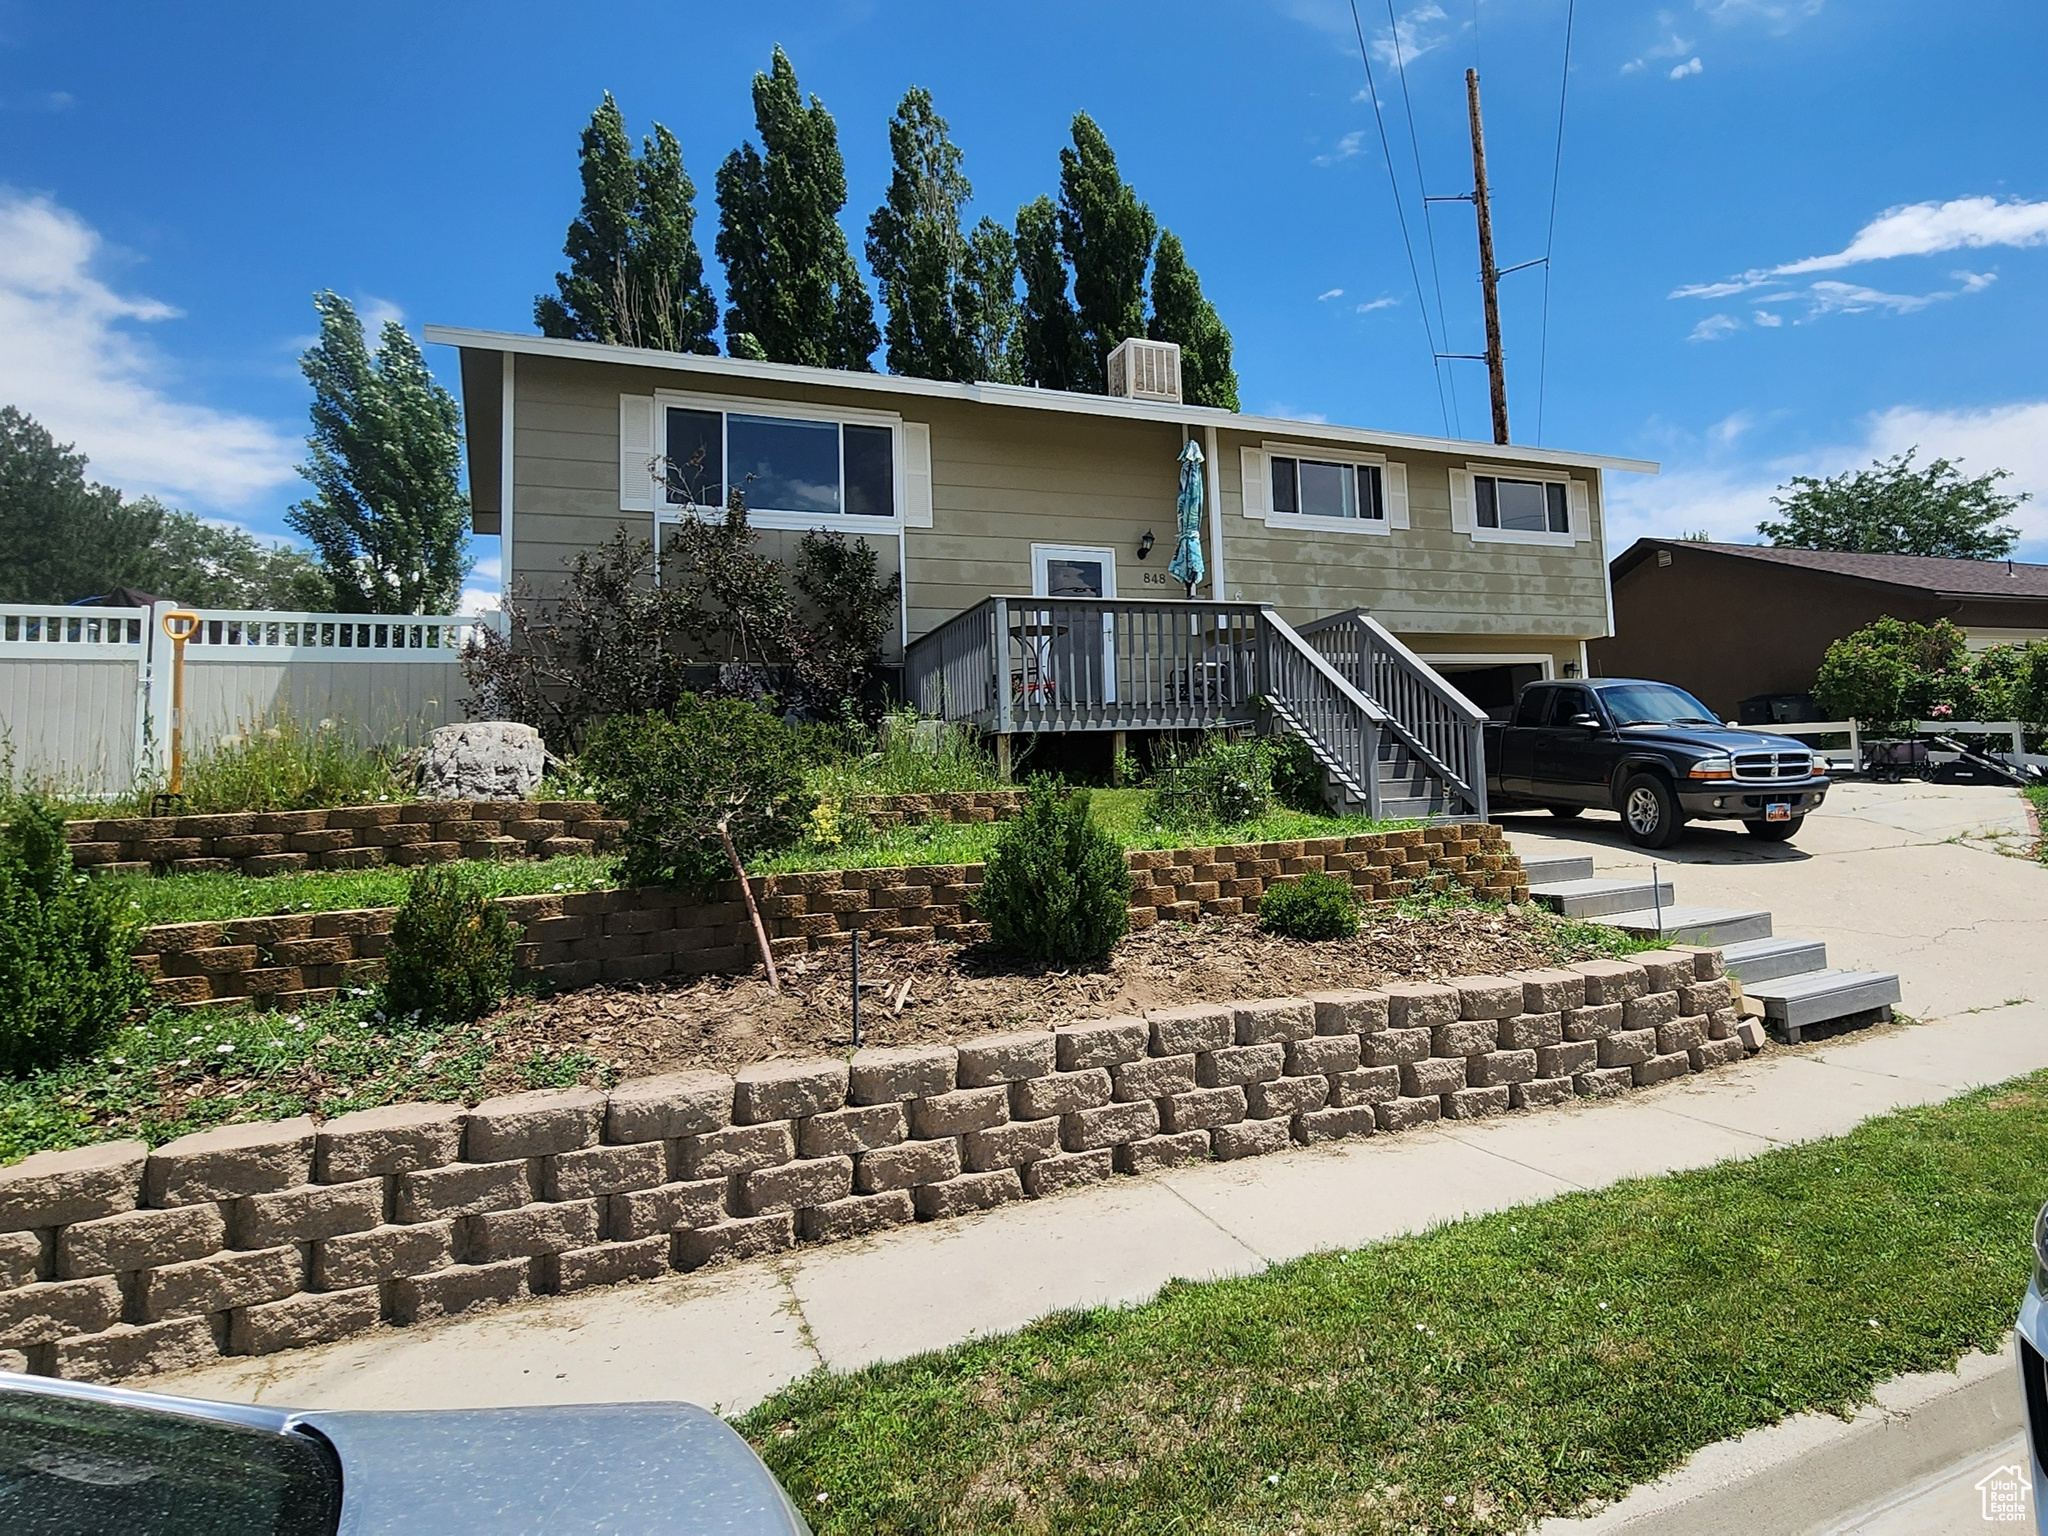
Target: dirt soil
[923,993]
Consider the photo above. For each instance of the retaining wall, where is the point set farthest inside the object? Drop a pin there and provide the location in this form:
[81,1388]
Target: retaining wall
[116,1261]
[576,938]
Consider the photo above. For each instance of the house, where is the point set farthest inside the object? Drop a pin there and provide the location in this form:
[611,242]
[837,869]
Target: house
[1442,573]
[1729,622]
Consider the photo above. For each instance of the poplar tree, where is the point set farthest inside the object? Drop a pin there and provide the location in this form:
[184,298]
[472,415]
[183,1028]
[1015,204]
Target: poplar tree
[1106,235]
[987,302]
[389,519]
[1182,315]
[636,277]
[1053,352]
[793,292]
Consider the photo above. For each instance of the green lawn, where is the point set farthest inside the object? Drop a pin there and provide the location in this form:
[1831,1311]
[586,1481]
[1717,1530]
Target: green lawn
[1477,1378]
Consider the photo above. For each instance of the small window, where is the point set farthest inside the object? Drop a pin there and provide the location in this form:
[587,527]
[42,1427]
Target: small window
[870,472]
[1571,703]
[1534,702]
[696,458]
[1319,488]
[1520,506]
[788,464]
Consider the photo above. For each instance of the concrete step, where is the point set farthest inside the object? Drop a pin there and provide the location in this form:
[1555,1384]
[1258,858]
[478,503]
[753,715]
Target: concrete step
[1597,896]
[1554,871]
[1692,925]
[1796,1002]
[1755,960]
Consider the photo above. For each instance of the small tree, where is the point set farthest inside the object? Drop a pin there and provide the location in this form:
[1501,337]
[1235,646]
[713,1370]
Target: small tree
[390,518]
[1892,508]
[450,956]
[701,788]
[1057,889]
[837,647]
[1890,672]
[66,977]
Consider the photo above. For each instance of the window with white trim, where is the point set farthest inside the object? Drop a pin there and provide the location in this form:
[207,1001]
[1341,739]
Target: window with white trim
[801,465]
[1520,506]
[1308,487]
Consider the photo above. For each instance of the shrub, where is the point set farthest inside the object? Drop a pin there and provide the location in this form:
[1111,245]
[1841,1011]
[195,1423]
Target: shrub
[1889,672]
[2012,683]
[66,979]
[1297,776]
[1314,907]
[1057,889]
[1222,783]
[685,781]
[450,955]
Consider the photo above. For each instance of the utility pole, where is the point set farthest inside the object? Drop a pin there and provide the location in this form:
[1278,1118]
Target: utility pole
[1489,274]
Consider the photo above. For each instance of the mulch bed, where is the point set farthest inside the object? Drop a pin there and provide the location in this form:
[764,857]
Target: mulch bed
[928,992]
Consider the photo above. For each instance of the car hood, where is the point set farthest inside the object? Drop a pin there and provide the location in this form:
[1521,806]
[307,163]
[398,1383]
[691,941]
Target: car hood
[617,1468]
[1713,738]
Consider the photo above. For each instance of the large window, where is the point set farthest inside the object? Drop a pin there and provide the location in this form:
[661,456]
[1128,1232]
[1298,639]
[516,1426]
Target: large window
[1318,488]
[1520,506]
[795,464]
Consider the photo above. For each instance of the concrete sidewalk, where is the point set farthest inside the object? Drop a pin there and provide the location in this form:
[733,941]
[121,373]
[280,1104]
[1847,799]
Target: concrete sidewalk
[732,1337]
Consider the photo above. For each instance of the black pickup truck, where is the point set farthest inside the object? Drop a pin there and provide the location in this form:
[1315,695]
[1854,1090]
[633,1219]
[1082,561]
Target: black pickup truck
[1650,751]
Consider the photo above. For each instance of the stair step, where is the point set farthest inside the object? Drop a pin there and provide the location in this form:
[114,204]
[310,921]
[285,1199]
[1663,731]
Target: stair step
[1692,925]
[1556,871]
[1795,1002]
[1596,897]
[1760,960]
[1411,808]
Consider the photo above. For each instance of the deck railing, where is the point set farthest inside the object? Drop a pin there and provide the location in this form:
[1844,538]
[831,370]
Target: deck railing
[1425,713]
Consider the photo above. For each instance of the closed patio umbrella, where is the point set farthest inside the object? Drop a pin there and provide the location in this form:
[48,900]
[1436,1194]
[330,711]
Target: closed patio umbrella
[1187,564]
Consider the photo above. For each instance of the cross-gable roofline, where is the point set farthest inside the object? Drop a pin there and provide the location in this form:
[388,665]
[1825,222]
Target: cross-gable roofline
[1015,396]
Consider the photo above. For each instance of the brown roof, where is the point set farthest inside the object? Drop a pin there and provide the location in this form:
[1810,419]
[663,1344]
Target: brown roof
[1924,573]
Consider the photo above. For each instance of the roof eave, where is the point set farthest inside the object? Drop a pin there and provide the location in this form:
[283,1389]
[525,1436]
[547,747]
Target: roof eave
[1019,396]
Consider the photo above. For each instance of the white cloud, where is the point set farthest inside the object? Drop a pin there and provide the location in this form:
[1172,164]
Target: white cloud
[1913,229]
[1330,293]
[1730,429]
[1353,143]
[70,357]
[484,591]
[375,313]
[1691,66]
[38,101]
[1775,15]
[1729,500]
[1767,320]
[1714,327]
[1373,304]
[1632,66]
[1413,34]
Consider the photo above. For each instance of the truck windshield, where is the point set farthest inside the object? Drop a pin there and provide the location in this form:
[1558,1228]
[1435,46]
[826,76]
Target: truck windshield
[1654,704]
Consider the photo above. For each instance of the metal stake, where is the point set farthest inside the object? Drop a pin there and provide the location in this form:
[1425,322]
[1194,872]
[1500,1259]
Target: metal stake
[1657,898]
[856,988]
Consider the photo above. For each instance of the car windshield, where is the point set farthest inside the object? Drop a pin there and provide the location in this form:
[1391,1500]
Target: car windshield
[68,1465]
[1654,704]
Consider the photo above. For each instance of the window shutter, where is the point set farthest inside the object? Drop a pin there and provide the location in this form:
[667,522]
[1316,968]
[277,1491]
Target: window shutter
[1579,506]
[1461,501]
[1396,478]
[636,453]
[917,474]
[1254,482]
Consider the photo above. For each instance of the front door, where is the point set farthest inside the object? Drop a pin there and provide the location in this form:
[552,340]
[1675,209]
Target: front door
[1075,665]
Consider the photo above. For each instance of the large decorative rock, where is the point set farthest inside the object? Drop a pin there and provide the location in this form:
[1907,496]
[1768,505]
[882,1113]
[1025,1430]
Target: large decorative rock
[482,760]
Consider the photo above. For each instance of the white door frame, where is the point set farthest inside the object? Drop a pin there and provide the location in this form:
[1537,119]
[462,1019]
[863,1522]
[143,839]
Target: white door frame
[1040,582]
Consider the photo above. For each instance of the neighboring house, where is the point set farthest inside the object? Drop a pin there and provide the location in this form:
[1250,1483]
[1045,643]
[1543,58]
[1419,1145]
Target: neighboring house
[1486,562]
[1729,622]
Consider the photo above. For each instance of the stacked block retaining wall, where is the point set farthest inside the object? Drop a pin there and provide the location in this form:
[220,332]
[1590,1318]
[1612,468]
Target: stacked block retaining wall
[576,938]
[118,1261]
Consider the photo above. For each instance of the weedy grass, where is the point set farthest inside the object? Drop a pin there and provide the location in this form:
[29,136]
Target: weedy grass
[1475,1378]
[215,898]
[2038,794]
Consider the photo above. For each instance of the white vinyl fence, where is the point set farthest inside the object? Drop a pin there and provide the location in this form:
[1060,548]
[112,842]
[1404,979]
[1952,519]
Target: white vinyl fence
[85,693]
[2013,732]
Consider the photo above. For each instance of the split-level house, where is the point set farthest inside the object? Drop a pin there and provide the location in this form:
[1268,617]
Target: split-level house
[1375,593]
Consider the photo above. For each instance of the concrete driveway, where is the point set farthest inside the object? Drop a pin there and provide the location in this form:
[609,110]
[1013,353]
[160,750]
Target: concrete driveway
[1933,881]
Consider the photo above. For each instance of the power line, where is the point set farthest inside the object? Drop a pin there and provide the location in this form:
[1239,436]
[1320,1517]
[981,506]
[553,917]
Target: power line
[1550,236]
[1422,187]
[1401,213]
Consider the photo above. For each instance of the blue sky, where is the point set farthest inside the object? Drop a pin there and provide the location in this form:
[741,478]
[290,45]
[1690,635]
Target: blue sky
[1791,234]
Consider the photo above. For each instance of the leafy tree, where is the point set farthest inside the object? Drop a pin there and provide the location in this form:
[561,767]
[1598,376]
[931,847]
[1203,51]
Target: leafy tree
[635,276]
[838,656]
[1890,671]
[202,565]
[1182,315]
[793,292]
[1893,508]
[63,537]
[1054,352]
[949,295]
[389,519]
[2012,682]
[1106,235]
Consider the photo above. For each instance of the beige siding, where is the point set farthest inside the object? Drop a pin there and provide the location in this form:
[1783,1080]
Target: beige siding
[1004,479]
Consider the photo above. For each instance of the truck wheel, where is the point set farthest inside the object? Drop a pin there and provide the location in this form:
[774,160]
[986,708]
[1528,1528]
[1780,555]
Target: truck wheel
[1649,812]
[1774,831]
[1566,812]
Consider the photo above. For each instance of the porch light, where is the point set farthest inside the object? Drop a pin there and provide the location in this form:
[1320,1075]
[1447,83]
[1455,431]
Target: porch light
[1145,544]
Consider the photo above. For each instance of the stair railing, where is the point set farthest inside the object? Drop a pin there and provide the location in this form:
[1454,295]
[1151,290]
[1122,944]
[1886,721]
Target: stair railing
[1428,716]
[1309,696]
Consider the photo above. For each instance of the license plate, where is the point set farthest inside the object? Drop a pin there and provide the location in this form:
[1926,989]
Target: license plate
[1778,812]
